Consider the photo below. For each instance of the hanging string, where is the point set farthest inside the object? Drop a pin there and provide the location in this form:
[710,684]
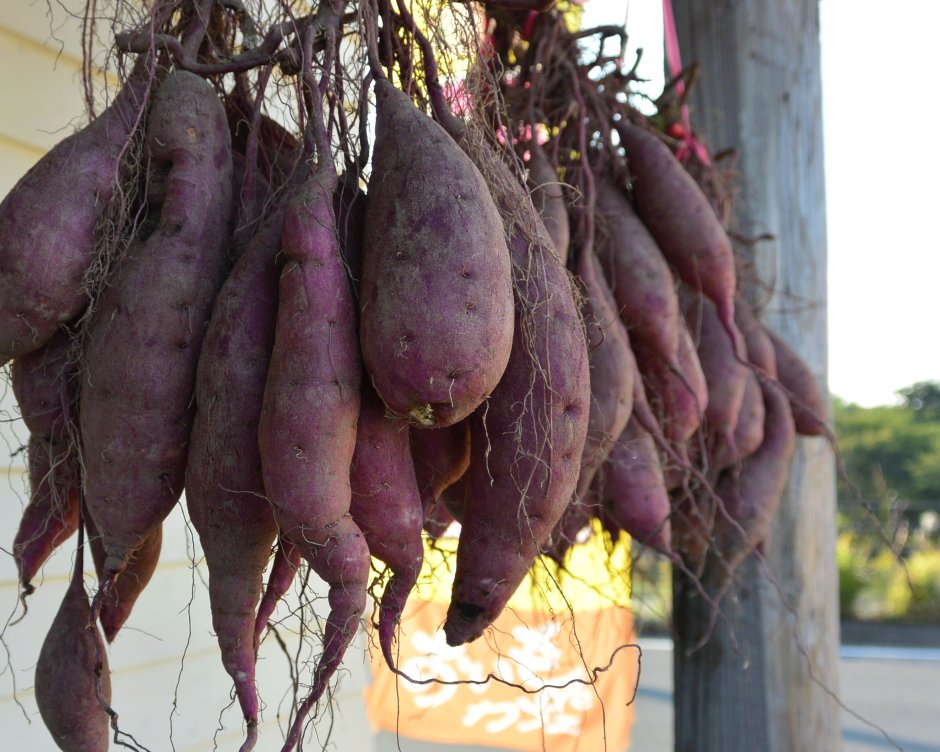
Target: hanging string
[683,130]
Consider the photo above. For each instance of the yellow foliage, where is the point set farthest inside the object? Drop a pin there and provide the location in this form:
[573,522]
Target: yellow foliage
[919,599]
[602,578]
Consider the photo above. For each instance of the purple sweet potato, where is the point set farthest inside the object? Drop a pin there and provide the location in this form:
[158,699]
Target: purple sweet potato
[674,407]
[526,441]
[613,369]
[747,436]
[49,226]
[638,273]
[142,349]
[65,674]
[806,398]
[437,521]
[436,306]
[51,516]
[386,506]
[548,197]
[534,426]
[249,204]
[679,408]
[679,217]
[42,385]
[691,368]
[748,433]
[759,345]
[751,499]
[117,605]
[287,560]
[441,457]
[349,206]
[454,498]
[307,433]
[722,365]
[278,150]
[224,485]
[613,373]
[631,490]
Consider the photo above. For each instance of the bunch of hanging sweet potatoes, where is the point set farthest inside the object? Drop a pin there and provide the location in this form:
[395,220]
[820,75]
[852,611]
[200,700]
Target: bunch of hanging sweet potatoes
[327,370]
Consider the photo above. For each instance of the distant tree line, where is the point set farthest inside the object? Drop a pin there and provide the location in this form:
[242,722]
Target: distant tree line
[892,452]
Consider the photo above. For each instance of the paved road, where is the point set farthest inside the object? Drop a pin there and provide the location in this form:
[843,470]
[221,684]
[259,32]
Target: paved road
[897,689]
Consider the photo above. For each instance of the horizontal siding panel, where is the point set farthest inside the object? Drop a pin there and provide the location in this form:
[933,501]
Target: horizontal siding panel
[56,26]
[15,160]
[43,101]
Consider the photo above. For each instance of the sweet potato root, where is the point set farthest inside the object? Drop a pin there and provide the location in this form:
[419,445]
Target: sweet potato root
[548,197]
[534,426]
[42,384]
[386,506]
[454,498]
[65,674]
[436,307]
[224,484]
[535,423]
[250,200]
[722,365]
[613,372]
[751,499]
[638,273]
[631,490]
[49,226]
[142,349]
[759,345]
[117,605]
[441,458]
[806,400]
[678,407]
[678,215]
[286,562]
[307,433]
[749,432]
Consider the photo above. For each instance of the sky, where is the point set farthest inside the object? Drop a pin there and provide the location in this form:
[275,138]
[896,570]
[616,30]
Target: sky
[881,124]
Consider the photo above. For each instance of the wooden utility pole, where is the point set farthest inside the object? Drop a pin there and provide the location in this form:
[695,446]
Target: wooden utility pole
[759,91]
[720,703]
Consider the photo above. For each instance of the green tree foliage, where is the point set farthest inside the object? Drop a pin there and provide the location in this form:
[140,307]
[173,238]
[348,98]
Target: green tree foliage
[893,452]
[923,399]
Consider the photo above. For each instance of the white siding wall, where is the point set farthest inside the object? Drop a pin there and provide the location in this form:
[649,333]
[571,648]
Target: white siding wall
[154,688]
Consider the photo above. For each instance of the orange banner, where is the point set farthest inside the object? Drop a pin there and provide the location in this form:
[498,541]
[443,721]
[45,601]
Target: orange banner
[540,643]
